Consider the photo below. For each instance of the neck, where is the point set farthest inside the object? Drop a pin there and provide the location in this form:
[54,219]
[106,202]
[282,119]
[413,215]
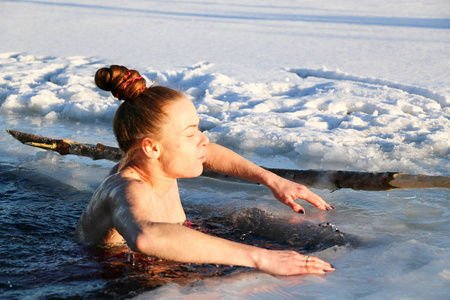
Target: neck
[149,173]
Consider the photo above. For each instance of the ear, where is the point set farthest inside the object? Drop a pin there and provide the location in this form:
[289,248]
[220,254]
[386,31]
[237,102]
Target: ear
[150,148]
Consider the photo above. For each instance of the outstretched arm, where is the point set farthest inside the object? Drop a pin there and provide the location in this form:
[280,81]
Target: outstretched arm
[223,160]
[178,243]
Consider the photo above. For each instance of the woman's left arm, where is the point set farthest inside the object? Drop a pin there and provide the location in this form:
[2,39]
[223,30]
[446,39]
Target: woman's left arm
[222,160]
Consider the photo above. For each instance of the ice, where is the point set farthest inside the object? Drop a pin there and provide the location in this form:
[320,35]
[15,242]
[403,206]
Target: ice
[291,84]
[347,124]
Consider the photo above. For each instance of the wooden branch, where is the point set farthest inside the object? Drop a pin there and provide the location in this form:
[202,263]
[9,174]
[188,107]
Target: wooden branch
[333,180]
[65,146]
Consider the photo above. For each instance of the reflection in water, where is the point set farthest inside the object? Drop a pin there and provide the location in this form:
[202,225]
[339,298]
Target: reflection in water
[304,236]
[127,273]
[254,226]
[133,273]
[40,259]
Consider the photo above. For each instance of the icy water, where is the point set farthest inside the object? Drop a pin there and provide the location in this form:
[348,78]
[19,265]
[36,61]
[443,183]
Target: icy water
[383,244]
[40,259]
[330,85]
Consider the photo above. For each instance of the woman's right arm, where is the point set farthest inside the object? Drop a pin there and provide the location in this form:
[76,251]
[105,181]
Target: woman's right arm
[179,243]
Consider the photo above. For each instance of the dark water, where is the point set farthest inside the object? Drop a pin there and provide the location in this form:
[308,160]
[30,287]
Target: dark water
[40,259]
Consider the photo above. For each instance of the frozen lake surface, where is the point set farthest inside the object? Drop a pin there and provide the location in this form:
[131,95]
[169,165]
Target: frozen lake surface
[289,84]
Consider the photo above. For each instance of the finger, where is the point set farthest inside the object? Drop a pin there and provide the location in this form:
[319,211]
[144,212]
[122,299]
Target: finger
[317,201]
[315,262]
[296,207]
[317,270]
[313,269]
[304,264]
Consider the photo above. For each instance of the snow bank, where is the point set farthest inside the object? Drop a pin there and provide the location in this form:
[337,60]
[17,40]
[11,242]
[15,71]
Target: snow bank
[322,119]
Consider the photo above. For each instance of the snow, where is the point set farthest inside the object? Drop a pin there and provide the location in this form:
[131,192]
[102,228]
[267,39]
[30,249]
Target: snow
[317,119]
[303,84]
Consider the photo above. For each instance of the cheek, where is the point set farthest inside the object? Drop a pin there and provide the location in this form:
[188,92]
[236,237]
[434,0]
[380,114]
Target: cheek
[178,154]
[182,152]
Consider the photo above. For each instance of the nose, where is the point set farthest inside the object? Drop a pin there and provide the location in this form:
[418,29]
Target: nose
[205,140]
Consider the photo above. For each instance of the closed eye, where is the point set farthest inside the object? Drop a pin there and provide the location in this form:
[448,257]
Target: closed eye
[196,131]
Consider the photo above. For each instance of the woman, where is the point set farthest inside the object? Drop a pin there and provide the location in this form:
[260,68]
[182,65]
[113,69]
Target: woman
[157,129]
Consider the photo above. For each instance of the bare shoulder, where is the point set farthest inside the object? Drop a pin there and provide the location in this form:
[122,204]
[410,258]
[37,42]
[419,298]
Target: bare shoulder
[115,199]
[122,188]
[114,194]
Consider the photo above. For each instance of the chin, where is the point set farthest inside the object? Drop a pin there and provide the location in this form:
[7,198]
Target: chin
[199,172]
[194,172]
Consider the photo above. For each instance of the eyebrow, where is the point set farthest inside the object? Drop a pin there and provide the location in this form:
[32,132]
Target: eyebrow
[193,125]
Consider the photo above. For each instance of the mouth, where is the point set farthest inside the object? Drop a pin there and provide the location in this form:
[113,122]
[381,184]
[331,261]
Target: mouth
[203,157]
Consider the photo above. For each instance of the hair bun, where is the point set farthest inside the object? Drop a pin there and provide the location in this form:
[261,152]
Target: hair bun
[123,83]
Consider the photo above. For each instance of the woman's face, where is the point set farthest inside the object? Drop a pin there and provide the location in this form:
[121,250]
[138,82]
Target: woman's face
[183,145]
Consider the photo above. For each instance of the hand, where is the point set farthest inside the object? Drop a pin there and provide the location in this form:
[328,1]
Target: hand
[292,263]
[287,191]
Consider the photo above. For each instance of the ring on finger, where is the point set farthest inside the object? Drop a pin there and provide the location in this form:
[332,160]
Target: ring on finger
[307,259]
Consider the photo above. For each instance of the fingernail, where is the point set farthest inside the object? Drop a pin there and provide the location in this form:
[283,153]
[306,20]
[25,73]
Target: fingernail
[301,211]
[332,207]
